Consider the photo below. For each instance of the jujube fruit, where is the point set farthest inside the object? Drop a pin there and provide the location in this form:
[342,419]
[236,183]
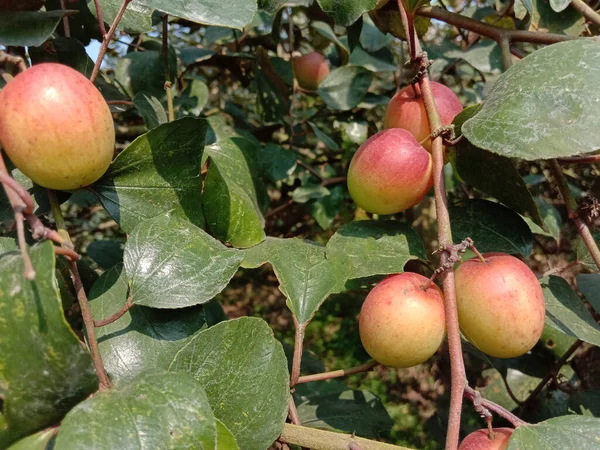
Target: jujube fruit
[402,325]
[56,127]
[310,70]
[500,303]
[407,110]
[480,440]
[390,172]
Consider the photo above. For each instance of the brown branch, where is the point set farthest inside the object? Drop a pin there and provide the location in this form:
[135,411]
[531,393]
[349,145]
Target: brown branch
[84,305]
[100,18]
[335,180]
[490,31]
[366,367]
[106,40]
[457,367]
[12,59]
[579,159]
[572,207]
[165,58]
[116,316]
[293,412]
[65,19]
[586,11]
[316,439]
[119,102]
[552,373]
[481,403]
[297,358]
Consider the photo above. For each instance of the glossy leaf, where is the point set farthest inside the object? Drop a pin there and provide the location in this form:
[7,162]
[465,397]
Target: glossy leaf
[306,276]
[137,17]
[194,97]
[37,441]
[493,227]
[559,5]
[493,174]
[375,247]
[589,285]
[106,253]
[324,138]
[485,56]
[565,311]
[244,371]
[171,263]
[156,173]
[551,218]
[224,13]
[345,87]
[521,385]
[44,371]
[325,210]
[578,432]
[325,30]
[151,110]
[380,61]
[276,162]
[346,12]
[143,339]
[28,28]
[371,39]
[158,410]
[225,439]
[333,406]
[531,113]
[545,18]
[144,72]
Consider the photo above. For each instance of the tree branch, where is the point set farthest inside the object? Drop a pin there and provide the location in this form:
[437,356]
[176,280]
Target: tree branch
[106,40]
[457,367]
[116,316]
[366,367]
[165,58]
[316,439]
[100,18]
[481,402]
[579,159]
[587,12]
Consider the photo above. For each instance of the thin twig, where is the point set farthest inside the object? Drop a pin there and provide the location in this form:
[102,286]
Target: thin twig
[587,12]
[297,358]
[119,102]
[457,367]
[100,18]
[335,180]
[106,40]
[552,373]
[65,19]
[572,206]
[84,305]
[579,159]
[13,59]
[366,367]
[116,316]
[165,58]
[294,417]
[479,401]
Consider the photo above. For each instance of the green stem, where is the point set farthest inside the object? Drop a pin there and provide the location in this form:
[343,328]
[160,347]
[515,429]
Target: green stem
[316,439]
[86,311]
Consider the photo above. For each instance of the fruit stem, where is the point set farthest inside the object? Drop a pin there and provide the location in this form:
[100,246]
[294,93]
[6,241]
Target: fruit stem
[116,316]
[457,368]
[366,367]
[100,18]
[86,311]
[65,19]
[481,403]
[479,255]
[165,58]
[586,11]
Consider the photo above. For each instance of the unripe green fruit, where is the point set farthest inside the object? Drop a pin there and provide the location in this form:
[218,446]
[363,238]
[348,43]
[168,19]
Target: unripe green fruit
[480,440]
[390,172]
[56,127]
[310,70]
[500,303]
[402,325]
[407,110]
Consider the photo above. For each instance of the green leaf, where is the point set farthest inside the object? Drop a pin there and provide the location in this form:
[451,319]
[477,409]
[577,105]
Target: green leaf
[306,276]
[545,19]
[324,210]
[490,173]
[44,371]
[589,285]
[324,138]
[68,51]
[225,439]
[273,94]
[194,98]
[144,72]
[190,55]
[275,162]
[28,28]
[137,18]
[225,13]
[345,87]
[379,61]
[160,410]
[232,192]
[244,371]
[493,227]
[583,253]
[310,192]
[325,30]
[346,12]
[375,247]
[532,113]
[565,311]
[551,218]
[371,39]
[578,432]
[106,253]
[37,441]
[150,109]
[171,263]
[143,339]
[412,5]
[8,245]
[559,5]
[485,56]
[333,406]
[156,173]
[521,385]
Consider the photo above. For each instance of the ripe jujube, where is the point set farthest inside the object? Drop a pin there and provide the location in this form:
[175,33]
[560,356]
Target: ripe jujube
[310,70]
